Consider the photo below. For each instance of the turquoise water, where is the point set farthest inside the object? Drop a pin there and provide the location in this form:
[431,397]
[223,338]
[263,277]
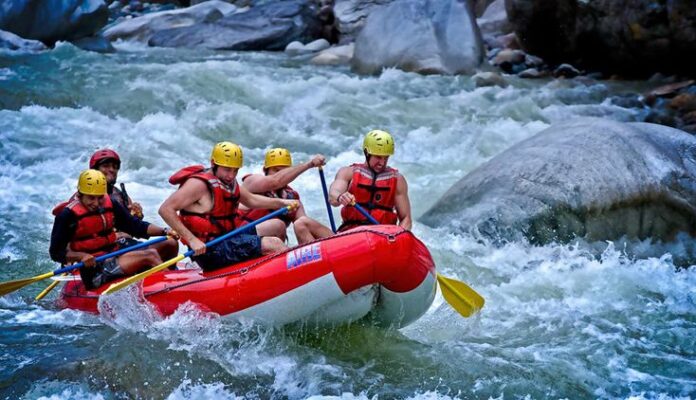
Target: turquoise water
[561,321]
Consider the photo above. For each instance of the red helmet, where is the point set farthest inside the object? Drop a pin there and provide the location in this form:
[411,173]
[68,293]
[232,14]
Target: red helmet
[102,155]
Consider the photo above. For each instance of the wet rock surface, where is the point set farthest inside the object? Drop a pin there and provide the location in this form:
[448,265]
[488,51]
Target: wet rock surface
[589,177]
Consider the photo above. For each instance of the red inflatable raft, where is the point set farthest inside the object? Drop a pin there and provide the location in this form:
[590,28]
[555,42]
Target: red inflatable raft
[383,270]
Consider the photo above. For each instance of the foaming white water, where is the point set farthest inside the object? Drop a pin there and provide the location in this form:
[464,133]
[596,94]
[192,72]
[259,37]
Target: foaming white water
[127,309]
[36,315]
[190,391]
[54,390]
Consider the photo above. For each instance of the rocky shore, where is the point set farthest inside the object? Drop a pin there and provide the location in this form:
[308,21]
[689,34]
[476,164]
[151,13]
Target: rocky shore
[490,39]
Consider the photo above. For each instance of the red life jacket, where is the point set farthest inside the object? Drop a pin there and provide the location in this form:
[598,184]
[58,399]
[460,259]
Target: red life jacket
[251,215]
[95,233]
[220,219]
[375,192]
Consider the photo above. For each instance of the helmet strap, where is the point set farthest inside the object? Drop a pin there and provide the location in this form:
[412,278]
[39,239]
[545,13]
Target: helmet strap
[367,160]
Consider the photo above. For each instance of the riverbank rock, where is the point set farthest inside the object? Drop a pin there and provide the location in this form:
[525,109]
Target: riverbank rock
[625,37]
[589,177]
[352,14]
[97,44]
[51,21]
[494,21]
[298,49]
[673,105]
[429,37]
[10,41]
[142,28]
[270,26]
[336,55]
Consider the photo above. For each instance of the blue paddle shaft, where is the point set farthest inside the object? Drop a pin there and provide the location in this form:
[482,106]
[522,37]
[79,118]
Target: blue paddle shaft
[365,213]
[114,254]
[215,241]
[326,199]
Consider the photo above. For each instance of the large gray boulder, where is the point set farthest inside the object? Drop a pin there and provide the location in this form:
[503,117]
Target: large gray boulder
[494,21]
[425,36]
[142,28]
[53,20]
[352,14]
[629,37]
[589,177]
[270,26]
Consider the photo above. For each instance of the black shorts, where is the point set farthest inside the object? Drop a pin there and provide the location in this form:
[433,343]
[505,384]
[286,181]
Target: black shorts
[241,247]
[105,271]
[126,242]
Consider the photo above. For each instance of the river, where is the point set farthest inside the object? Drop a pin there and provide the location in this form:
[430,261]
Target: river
[578,320]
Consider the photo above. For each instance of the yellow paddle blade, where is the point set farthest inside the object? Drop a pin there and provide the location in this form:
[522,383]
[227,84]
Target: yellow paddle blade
[47,290]
[460,296]
[139,277]
[11,286]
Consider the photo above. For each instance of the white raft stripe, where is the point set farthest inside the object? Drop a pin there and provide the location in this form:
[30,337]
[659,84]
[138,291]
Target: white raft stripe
[301,303]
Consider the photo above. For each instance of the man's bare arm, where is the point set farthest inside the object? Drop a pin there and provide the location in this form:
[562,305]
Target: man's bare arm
[402,203]
[192,191]
[252,200]
[340,185]
[265,183]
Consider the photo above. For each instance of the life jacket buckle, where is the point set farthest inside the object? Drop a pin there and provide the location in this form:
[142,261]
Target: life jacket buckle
[391,238]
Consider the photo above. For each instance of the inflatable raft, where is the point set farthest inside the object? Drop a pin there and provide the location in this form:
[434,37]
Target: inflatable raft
[383,270]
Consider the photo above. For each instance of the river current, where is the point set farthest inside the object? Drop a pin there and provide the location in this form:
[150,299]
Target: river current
[578,320]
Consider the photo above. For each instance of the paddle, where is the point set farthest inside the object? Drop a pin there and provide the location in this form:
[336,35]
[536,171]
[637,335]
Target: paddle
[137,278]
[458,294]
[326,198]
[47,290]
[128,202]
[11,286]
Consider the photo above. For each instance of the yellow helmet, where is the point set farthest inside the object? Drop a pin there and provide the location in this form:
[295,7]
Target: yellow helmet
[92,182]
[277,157]
[378,143]
[227,154]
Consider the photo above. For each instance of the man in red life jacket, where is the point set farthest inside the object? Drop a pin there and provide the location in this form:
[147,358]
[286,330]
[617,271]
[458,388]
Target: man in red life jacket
[205,207]
[85,228]
[278,172]
[108,162]
[380,189]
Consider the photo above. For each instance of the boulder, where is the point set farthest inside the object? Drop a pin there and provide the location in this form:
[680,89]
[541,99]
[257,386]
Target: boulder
[52,20]
[424,36]
[97,44]
[142,28]
[270,26]
[317,45]
[588,177]
[296,48]
[494,21]
[626,37]
[484,79]
[351,15]
[10,41]
[335,55]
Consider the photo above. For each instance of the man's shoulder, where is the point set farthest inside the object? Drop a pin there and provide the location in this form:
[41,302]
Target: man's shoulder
[65,215]
[252,177]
